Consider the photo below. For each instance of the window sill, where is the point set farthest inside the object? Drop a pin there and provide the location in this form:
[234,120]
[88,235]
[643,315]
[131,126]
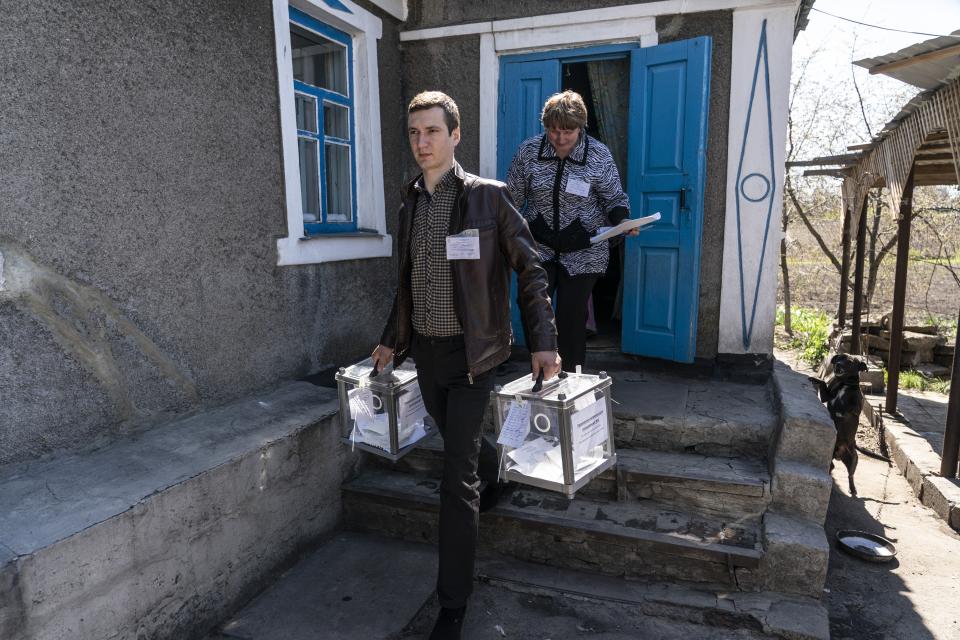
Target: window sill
[333,247]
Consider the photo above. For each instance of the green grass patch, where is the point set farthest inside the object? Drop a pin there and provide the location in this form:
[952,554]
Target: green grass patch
[811,333]
[910,379]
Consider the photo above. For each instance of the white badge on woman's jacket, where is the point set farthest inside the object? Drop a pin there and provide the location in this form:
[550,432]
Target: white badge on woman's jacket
[464,246]
[578,187]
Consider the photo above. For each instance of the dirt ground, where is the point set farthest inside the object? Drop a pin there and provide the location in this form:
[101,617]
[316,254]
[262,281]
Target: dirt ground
[916,595]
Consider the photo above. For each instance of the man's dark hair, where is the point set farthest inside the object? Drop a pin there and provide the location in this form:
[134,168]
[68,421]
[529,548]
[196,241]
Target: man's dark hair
[430,99]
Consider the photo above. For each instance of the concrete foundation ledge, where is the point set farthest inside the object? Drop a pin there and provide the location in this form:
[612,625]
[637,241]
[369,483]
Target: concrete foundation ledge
[161,534]
[920,465]
[797,552]
[806,431]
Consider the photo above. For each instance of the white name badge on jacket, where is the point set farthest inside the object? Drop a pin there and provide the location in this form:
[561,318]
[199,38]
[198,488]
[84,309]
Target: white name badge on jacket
[578,187]
[464,246]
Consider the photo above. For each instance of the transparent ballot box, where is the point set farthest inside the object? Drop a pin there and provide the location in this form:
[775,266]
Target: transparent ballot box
[382,413]
[557,437]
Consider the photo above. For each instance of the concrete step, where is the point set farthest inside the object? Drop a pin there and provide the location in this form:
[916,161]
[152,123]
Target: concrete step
[689,481]
[732,487]
[666,412]
[768,613]
[635,539]
[366,586]
[709,417]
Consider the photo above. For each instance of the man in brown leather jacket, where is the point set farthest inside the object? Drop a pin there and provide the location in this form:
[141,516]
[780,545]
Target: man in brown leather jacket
[458,239]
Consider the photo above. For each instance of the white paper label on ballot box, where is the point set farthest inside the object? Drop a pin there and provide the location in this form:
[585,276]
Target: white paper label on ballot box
[516,426]
[589,427]
[412,409]
[361,403]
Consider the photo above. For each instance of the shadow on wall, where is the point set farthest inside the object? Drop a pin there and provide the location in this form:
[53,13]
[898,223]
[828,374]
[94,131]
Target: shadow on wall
[70,312]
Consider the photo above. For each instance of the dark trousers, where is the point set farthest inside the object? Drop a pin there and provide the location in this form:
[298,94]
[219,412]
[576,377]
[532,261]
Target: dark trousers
[457,407]
[571,294]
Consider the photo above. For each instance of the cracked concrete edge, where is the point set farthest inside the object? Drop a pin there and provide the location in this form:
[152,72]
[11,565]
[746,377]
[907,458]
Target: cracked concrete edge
[806,432]
[796,555]
[920,465]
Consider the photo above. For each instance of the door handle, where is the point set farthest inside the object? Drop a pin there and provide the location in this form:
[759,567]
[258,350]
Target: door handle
[683,198]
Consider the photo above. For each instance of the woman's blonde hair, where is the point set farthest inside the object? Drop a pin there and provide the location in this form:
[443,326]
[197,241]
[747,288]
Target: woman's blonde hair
[564,110]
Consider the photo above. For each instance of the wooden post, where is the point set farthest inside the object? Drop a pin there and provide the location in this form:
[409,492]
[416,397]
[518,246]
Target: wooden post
[899,294]
[951,434]
[855,346]
[844,269]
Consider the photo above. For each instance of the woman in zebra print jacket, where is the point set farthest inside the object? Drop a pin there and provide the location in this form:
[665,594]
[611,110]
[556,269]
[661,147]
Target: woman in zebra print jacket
[566,185]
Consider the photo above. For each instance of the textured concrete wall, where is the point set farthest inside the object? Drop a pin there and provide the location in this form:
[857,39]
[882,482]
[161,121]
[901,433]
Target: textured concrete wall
[451,65]
[141,199]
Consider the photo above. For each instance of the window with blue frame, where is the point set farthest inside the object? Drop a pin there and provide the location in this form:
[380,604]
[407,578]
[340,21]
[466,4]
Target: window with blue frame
[323,89]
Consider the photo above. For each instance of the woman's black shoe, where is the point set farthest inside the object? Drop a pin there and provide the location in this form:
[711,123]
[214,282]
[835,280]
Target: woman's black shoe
[448,625]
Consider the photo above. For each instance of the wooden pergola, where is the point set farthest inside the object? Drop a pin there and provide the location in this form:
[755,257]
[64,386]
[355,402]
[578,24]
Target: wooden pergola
[920,147]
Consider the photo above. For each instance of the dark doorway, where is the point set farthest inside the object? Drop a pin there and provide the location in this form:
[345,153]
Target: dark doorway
[604,85]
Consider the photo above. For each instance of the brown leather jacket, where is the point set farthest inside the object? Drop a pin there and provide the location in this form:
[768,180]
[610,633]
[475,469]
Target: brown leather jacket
[481,287]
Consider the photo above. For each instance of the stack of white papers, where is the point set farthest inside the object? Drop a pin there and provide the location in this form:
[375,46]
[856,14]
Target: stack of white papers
[605,233]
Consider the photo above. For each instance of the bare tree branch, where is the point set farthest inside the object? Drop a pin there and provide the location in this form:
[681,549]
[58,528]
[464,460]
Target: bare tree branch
[943,258]
[806,221]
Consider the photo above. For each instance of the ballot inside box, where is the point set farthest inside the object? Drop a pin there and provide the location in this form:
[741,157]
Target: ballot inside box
[382,412]
[557,435]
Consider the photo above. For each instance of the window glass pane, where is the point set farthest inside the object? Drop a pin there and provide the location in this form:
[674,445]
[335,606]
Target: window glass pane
[336,120]
[318,61]
[338,183]
[306,113]
[309,180]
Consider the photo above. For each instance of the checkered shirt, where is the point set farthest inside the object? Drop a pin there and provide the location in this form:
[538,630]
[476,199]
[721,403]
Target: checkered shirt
[431,279]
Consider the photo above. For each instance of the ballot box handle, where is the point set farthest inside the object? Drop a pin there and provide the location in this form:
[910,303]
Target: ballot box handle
[538,385]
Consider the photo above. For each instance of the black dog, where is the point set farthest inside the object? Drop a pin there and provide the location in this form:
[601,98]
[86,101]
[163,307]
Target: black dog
[844,402]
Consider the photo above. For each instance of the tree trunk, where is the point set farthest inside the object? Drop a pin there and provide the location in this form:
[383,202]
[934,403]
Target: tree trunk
[786,285]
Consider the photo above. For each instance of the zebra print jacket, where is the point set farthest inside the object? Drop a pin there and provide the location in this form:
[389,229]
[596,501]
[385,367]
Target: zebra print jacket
[565,200]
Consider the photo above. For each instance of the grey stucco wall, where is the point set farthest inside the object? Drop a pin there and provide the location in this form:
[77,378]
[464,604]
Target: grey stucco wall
[452,65]
[719,26]
[139,210]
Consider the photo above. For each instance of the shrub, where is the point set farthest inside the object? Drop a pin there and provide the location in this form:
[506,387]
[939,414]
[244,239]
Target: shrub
[811,333]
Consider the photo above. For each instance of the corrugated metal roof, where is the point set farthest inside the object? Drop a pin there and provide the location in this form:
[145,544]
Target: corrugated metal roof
[926,74]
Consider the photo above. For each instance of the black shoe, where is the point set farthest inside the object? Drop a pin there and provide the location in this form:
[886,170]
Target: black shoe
[491,495]
[448,625]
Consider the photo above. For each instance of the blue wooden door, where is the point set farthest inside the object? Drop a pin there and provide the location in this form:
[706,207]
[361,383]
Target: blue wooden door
[524,87]
[669,89]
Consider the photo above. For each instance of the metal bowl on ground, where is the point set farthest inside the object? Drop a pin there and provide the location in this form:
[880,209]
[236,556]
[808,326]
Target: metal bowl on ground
[866,546]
